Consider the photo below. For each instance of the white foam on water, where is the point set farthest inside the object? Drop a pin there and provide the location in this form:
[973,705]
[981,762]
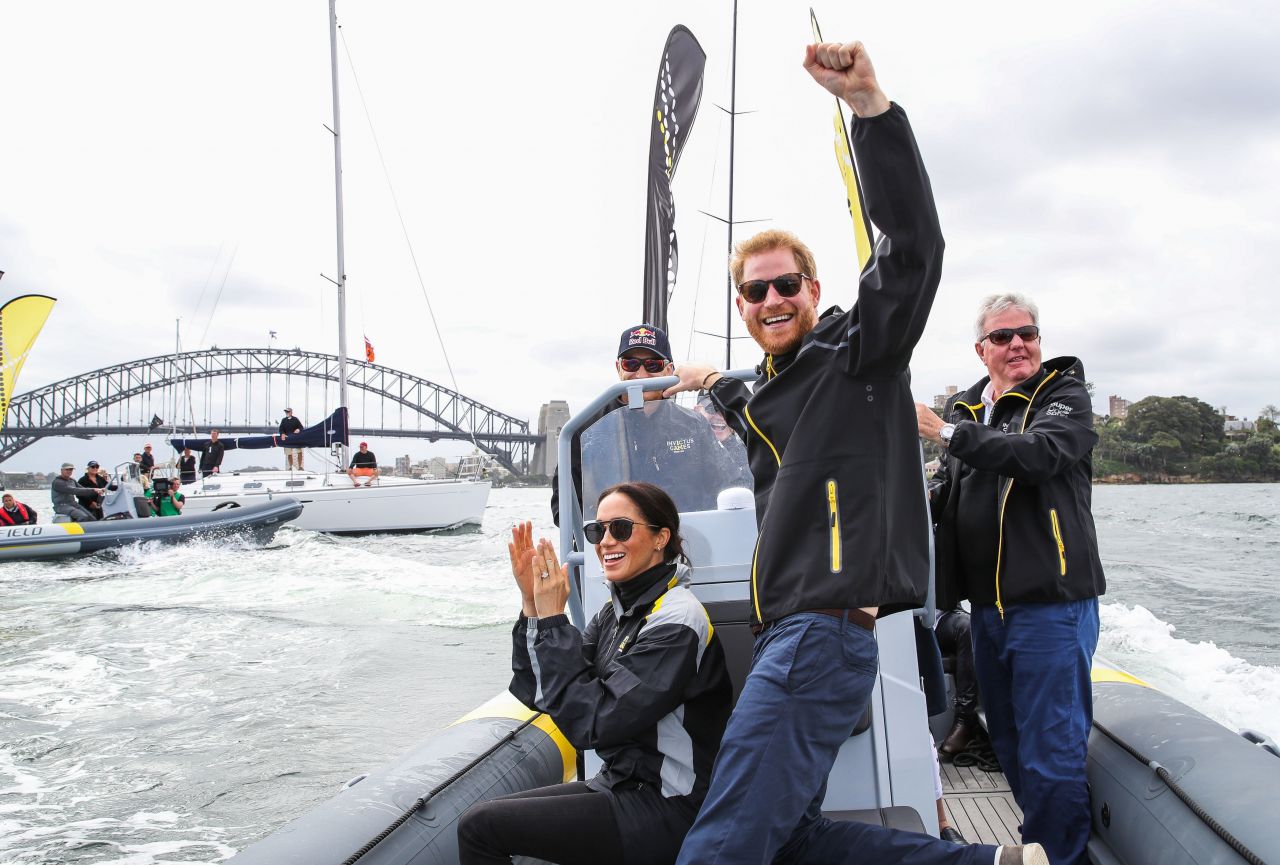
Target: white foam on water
[106,832]
[59,681]
[1232,691]
[21,782]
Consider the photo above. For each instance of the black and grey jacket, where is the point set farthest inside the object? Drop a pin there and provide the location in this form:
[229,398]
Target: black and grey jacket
[1013,505]
[646,686]
[831,429]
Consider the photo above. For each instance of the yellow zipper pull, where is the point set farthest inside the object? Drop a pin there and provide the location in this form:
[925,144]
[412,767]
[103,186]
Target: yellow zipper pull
[833,511]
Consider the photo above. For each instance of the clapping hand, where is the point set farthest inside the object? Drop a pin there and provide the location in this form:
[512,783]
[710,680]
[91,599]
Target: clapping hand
[522,565]
[551,583]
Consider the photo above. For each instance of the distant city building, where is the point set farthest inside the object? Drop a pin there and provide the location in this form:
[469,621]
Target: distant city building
[552,418]
[404,466]
[940,400]
[1118,407]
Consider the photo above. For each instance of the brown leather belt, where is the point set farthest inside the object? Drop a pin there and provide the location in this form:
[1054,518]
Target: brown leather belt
[861,618]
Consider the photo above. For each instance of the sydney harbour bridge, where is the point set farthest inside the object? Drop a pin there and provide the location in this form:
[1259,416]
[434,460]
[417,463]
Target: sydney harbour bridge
[242,391]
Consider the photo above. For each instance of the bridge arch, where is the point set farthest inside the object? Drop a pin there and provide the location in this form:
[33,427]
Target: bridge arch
[58,408]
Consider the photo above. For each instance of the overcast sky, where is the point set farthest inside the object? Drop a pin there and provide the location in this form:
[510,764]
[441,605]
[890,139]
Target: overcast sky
[1118,162]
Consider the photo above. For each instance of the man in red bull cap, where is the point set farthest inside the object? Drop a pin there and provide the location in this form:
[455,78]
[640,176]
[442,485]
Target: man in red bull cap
[677,452]
[363,465]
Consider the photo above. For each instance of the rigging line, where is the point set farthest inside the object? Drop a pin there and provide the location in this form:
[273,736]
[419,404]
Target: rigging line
[218,298]
[702,251]
[403,228]
[191,405]
[208,279]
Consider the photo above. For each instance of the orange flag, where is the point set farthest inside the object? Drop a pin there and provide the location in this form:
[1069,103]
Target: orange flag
[368,350]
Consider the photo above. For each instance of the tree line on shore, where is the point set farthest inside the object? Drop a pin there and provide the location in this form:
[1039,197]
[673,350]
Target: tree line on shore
[1181,438]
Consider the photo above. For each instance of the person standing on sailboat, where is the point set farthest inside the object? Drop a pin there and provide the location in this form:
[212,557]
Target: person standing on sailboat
[831,438]
[211,459]
[290,425]
[187,466]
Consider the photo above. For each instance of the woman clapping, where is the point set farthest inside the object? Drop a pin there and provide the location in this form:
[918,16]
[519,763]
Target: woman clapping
[645,685]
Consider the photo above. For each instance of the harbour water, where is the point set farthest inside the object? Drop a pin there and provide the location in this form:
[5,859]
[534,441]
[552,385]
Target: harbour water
[172,704]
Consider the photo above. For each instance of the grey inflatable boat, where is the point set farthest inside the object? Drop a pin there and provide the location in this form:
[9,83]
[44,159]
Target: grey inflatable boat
[1169,785]
[129,519]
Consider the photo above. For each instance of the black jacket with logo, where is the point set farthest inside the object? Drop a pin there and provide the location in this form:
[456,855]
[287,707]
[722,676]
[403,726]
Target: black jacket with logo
[645,686]
[1014,499]
[831,429]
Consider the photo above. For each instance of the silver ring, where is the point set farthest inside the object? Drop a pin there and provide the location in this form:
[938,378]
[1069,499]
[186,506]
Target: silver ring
[546,575]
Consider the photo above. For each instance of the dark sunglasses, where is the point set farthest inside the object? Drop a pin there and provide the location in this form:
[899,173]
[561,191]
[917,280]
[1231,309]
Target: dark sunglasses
[786,284]
[1005,335]
[650,364]
[620,527]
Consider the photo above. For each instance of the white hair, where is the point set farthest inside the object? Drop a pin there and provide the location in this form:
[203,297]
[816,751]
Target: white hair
[994,304]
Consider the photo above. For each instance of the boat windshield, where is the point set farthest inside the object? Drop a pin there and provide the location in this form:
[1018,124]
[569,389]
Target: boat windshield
[692,455]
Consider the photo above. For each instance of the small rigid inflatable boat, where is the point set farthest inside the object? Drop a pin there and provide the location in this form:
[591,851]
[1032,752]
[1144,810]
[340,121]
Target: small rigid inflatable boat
[130,520]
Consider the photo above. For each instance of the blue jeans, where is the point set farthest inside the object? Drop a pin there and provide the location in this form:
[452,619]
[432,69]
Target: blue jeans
[811,677]
[1033,672]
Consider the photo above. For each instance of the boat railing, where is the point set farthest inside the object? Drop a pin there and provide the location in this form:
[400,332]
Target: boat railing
[471,467]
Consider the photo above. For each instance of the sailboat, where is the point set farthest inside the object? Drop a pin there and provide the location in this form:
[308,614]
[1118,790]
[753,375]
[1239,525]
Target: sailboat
[331,502]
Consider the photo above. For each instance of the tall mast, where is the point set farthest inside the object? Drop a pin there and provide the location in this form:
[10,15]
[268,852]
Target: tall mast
[733,116]
[341,281]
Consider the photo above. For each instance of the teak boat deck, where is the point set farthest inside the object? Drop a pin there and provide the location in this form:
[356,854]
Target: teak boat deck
[980,805]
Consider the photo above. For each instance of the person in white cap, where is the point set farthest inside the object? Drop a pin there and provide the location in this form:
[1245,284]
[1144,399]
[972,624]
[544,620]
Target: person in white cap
[64,491]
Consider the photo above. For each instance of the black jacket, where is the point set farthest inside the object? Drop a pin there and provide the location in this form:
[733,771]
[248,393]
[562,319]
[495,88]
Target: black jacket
[831,429]
[290,425]
[187,469]
[93,504]
[212,456]
[646,687]
[363,460]
[1013,503]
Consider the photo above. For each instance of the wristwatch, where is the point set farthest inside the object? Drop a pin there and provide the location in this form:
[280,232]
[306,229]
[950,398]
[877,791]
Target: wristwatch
[947,431]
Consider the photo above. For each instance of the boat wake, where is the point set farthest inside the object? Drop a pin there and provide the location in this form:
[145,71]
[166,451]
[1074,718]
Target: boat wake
[1232,691]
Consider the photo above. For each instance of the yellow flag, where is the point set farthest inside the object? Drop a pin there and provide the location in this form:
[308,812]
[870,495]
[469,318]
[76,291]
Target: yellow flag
[862,237]
[20,323]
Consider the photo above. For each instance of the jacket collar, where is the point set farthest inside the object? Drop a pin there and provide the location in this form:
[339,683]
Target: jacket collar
[644,588]
[776,363]
[1065,366]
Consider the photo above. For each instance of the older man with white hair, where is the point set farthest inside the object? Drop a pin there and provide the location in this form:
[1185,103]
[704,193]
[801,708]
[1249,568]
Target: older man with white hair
[1016,537]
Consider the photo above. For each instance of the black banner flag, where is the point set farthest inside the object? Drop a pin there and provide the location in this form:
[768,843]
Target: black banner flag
[675,104]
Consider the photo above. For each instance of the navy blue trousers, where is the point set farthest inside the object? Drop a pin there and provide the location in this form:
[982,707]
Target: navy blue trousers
[1033,670]
[811,676]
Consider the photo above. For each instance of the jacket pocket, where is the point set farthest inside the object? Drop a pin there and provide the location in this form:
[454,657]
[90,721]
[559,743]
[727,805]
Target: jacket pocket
[833,520]
[1057,536]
